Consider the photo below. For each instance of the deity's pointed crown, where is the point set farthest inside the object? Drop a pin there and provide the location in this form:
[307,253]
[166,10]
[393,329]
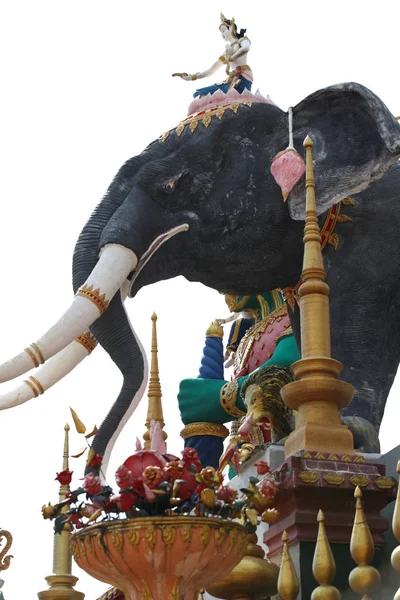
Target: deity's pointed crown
[229,23]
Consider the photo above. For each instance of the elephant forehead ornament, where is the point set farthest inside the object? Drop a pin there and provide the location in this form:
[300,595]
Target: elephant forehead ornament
[288,166]
[205,206]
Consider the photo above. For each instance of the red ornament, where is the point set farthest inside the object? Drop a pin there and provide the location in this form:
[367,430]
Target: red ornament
[64,477]
[287,168]
[92,484]
[123,477]
[262,467]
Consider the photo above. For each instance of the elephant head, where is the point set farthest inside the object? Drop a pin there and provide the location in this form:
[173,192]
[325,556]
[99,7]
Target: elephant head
[201,202]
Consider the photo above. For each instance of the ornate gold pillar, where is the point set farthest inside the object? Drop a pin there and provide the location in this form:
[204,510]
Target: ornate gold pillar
[62,581]
[154,411]
[317,394]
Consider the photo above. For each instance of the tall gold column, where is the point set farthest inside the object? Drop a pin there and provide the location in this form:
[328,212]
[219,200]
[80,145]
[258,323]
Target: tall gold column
[154,394]
[62,582]
[395,559]
[317,394]
[364,579]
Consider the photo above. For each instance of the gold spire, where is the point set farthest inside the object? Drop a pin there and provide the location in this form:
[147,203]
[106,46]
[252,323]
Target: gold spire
[395,559]
[318,394]
[324,568]
[154,410]
[364,579]
[288,583]
[62,582]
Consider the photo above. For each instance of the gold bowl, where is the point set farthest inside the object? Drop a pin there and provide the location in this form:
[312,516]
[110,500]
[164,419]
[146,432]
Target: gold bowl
[160,558]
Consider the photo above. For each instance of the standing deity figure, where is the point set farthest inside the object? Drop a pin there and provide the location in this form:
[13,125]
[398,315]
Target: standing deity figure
[240,76]
[256,344]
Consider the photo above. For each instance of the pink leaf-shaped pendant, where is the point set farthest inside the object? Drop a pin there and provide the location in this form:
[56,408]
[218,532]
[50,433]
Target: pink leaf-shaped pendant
[287,168]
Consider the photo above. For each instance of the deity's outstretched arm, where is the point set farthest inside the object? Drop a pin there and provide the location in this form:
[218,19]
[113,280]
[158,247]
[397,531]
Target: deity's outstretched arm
[202,74]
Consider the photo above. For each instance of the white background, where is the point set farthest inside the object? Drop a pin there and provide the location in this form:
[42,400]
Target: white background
[85,85]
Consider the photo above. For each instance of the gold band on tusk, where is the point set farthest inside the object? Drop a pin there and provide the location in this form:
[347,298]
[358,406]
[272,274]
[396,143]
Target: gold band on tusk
[87,291]
[88,341]
[35,386]
[36,354]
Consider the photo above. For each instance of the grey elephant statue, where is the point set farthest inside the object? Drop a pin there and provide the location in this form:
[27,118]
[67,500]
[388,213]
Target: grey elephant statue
[201,202]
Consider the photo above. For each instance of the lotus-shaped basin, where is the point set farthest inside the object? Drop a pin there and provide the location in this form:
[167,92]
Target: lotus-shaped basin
[160,558]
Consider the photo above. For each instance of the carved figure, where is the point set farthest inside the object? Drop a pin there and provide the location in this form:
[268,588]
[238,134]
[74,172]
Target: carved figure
[202,204]
[240,75]
[210,399]
[262,398]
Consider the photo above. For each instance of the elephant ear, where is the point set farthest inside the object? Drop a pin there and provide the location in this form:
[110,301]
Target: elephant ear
[356,140]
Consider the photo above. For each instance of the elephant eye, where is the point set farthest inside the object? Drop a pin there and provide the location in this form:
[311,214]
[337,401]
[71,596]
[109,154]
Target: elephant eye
[168,185]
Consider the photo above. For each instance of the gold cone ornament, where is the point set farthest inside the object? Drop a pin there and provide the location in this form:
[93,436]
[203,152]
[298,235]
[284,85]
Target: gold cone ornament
[364,579]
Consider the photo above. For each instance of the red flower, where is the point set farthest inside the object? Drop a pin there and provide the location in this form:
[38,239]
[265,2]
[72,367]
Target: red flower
[153,476]
[262,467]
[226,494]
[123,477]
[96,461]
[190,457]
[64,477]
[174,469]
[92,484]
[268,488]
[137,464]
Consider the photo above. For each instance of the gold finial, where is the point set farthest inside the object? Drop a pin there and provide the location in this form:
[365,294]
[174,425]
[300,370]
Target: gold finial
[215,330]
[154,411]
[395,558]
[318,393]
[364,579]
[62,581]
[288,583]
[324,568]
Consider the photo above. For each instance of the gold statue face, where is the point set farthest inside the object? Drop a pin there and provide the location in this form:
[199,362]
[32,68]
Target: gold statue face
[255,402]
[235,303]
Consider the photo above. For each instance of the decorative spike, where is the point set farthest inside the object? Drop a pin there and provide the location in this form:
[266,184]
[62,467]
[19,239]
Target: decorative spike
[288,583]
[66,446]
[324,568]
[80,427]
[395,559]
[154,411]
[364,579]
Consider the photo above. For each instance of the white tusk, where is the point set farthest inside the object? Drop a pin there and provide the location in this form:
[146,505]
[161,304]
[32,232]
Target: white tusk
[59,366]
[92,299]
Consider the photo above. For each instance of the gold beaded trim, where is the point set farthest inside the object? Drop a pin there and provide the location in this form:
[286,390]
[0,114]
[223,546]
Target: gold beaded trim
[228,397]
[87,291]
[204,428]
[36,355]
[35,386]
[88,341]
